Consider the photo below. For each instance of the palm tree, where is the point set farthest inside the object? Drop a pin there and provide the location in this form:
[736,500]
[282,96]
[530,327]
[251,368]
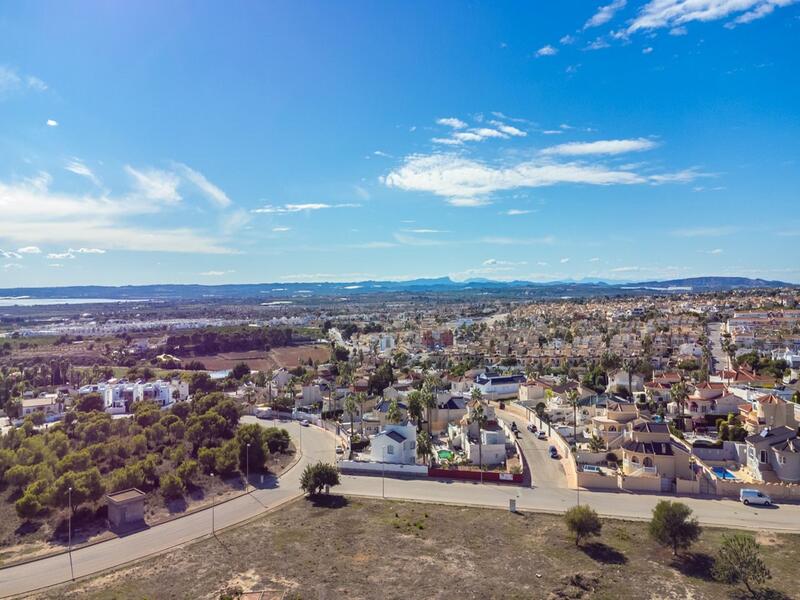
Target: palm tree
[393,414]
[424,446]
[350,408]
[628,365]
[679,394]
[415,407]
[361,397]
[478,416]
[573,398]
[428,397]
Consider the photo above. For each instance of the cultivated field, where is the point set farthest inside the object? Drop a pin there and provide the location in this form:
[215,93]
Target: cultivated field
[374,549]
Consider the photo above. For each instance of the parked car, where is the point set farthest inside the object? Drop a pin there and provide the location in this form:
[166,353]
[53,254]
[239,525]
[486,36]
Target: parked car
[748,496]
[339,450]
[553,452]
[591,469]
[541,435]
[531,427]
[304,423]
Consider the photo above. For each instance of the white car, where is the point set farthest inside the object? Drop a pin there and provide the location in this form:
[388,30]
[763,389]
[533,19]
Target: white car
[754,497]
[304,423]
[541,435]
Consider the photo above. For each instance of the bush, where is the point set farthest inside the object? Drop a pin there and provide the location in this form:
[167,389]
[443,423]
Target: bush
[208,459]
[672,525]
[277,440]
[28,506]
[739,560]
[316,477]
[171,486]
[583,522]
[187,470]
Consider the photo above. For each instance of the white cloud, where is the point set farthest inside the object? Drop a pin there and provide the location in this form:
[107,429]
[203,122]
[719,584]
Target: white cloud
[60,255]
[410,240]
[88,251]
[515,212]
[594,259]
[424,231]
[33,214]
[452,122]
[567,40]
[215,273]
[361,192]
[29,250]
[12,266]
[14,255]
[446,141]
[155,184]
[626,269]
[211,191]
[281,229]
[598,44]
[468,202]
[600,147]
[382,153]
[77,167]
[55,265]
[294,208]
[678,31]
[552,132]
[493,262]
[12,81]
[509,129]
[716,251]
[676,13]
[564,261]
[605,13]
[547,51]
[467,182]
[51,123]
[712,231]
[647,50]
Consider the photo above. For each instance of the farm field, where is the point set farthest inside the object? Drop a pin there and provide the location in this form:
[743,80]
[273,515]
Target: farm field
[288,357]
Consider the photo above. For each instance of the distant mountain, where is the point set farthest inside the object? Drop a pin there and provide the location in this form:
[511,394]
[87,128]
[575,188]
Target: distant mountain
[580,288]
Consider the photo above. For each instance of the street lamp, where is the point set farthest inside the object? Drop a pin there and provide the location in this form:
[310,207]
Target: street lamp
[69,534]
[212,505]
[247,482]
[383,474]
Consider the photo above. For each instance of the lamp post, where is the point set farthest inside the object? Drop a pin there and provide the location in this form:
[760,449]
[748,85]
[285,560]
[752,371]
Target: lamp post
[69,533]
[247,482]
[383,475]
[212,506]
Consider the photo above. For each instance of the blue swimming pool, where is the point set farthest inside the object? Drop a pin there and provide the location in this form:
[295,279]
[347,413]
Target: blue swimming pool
[723,473]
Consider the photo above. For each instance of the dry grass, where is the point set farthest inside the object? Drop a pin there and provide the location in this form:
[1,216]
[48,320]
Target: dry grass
[288,357]
[374,549]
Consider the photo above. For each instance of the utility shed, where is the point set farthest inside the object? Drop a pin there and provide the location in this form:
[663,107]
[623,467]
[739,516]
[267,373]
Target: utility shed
[125,509]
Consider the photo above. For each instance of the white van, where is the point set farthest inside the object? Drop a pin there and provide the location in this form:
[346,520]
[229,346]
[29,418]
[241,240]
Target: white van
[754,497]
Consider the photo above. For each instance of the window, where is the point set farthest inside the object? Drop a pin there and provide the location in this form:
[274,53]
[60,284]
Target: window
[763,457]
[648,462]
[389,449]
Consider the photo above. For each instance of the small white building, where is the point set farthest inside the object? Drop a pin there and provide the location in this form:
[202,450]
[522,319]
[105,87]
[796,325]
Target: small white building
[395,444]
[51,405]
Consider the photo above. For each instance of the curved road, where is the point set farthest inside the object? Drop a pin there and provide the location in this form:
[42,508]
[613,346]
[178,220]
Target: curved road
[547,495]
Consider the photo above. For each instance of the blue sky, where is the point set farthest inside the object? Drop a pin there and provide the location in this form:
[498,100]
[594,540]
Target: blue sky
[181,142]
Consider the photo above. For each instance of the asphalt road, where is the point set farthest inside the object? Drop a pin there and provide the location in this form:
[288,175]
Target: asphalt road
[719,357]
[316,445]
[544,472]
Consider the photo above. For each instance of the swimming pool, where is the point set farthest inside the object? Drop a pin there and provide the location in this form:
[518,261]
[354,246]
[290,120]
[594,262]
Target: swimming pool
[445,454]
[723,473]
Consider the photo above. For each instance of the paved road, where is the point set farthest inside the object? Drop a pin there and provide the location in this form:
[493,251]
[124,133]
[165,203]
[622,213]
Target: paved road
[315,444]
[719,358]
[543,471]
[319,445]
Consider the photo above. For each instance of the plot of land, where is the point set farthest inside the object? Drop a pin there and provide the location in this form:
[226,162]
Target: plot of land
[258,360]
[374,549]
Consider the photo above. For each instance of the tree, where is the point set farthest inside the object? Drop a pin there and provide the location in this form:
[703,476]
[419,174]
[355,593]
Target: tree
[277,440]
[739,561]
[186,471]
[90,402]
[424,446]
[679,394]
[361,398]
[240,371]
[171,486]
[673,526]
[316,477]
[583,522]
[350,408]
[574,397]
[393,413]
[256,455]
[86,487]
[227,460]
[478,416]
[28,506]
[415,407]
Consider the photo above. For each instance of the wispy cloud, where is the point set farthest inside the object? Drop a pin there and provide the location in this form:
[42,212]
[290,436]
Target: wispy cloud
[11,80]
[677,13]
[79,168]
[296,208]
[208,189]
[467,182]
[422,230]
[601,147]
[155,184]
[281,229]
[516,212]
[60,255]
[215,273]
[547,51]
[712,231]
[29,250]
[604,14]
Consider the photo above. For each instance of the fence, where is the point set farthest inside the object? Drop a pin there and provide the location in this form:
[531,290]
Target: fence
[375,468]
[494,476]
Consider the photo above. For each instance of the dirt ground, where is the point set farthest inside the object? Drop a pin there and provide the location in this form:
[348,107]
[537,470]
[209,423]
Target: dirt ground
[371,549]
[257,360]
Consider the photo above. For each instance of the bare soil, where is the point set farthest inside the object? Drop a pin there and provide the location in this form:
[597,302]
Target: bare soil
[355,548]
[258,360]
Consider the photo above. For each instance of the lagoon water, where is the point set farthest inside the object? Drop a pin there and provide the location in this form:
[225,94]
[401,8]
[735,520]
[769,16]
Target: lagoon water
[28,301]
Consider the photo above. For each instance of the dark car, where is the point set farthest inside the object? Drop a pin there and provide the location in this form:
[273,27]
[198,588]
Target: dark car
[531,427]
[553,452]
